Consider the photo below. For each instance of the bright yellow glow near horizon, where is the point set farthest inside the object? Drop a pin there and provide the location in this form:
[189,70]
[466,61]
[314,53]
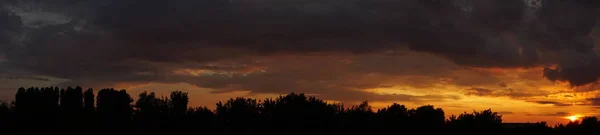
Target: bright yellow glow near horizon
[573,117]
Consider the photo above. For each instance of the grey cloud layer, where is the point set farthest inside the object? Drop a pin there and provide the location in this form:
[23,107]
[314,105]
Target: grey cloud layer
[122,40]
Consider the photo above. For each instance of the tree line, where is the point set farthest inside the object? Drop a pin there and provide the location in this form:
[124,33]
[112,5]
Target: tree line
[50,110]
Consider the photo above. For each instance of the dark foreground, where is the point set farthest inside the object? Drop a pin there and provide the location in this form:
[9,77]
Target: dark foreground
[74,111]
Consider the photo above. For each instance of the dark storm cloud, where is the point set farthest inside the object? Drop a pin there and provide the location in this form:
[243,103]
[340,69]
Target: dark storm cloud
[578,64]
[589,3]
[10,28]
[578,69]
[123,40]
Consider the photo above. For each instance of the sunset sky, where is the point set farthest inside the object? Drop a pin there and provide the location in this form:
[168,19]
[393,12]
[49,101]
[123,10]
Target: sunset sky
[530,60]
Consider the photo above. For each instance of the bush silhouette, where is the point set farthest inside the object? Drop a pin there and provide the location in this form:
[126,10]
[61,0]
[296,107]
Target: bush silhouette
[476,122]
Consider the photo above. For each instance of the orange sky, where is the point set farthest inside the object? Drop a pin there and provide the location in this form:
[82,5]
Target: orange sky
[520,94]
[453,56]
[513,110]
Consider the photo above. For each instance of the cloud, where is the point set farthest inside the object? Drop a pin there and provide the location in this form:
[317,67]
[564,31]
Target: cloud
[10,26]
[357,96]
[577,70]
[506,113]
[589,3]
[552,114]
[588,87]
[273,46]
[342,77]
[502,84]
[25,77]
[504,92]
[551,103]
[594,101]
[479,92]
[333,77]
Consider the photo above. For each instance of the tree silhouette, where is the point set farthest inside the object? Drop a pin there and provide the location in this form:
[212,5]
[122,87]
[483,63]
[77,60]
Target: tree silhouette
[477,122]
[587,126]
[36,109]
[239,116]
[299,114]
[150,114]
[359,119]
[178,106]
[201,119]
[71,105]
[72,99]
[88,100]
[392,117]
[427,116]
[88,124]
[6,118]
[49,110]
[114,110]
[179,102]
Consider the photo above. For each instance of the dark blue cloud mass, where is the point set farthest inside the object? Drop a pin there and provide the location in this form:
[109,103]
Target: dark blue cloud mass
[116,40]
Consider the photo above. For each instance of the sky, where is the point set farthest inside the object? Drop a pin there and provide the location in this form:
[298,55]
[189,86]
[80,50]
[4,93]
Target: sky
[529,60]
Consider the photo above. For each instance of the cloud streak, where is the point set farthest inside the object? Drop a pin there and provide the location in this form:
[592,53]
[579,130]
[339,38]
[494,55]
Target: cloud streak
[552,114]
[552,103]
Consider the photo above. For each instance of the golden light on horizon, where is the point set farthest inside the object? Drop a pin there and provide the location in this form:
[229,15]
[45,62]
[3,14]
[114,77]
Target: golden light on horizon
[573,117]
